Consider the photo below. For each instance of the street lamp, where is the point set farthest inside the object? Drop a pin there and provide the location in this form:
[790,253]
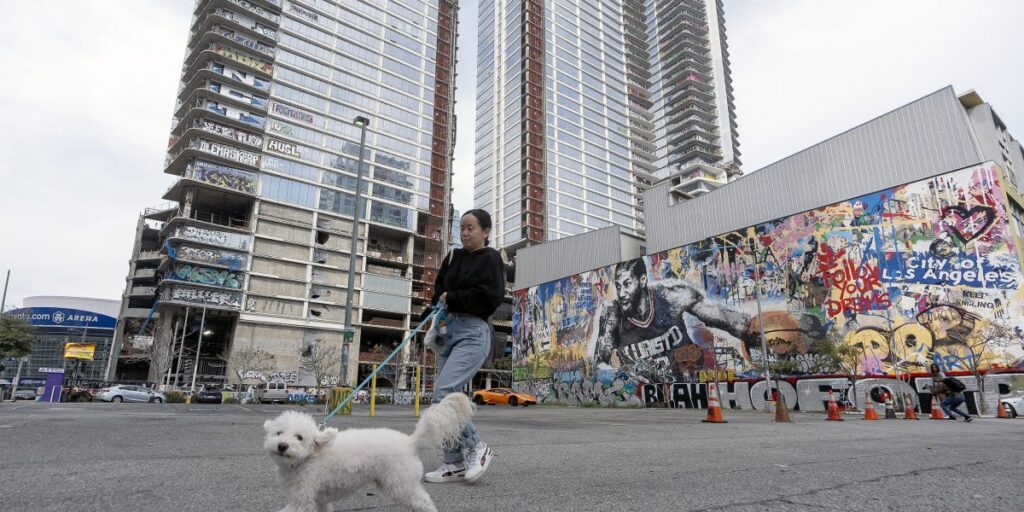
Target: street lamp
[362,123]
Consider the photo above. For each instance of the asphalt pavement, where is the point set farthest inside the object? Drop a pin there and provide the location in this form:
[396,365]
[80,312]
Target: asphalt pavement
[156,457]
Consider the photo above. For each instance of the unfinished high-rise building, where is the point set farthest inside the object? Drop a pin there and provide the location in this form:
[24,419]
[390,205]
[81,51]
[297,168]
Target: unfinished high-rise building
[243,275]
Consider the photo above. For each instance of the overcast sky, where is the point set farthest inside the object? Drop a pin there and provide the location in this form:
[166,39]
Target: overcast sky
[88,90]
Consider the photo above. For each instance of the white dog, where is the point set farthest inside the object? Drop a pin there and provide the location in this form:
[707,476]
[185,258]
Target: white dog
[317,467]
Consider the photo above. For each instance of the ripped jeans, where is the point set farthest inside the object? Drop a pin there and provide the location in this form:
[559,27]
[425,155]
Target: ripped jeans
[464,349]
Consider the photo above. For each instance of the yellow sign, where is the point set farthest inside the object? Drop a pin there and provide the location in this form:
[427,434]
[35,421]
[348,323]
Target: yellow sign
[79,351]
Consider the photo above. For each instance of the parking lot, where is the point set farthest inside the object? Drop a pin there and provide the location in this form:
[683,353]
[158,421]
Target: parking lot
[154,457]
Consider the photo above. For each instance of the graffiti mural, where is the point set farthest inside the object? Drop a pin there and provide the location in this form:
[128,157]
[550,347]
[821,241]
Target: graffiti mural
[206,275]
[907,276]
[212,237]
[201,296]
[241,58]
[232,260]
[224,176]
[227,152]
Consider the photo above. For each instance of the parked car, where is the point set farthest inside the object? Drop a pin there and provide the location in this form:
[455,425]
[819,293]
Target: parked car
[495,396]
[209,395]
[25,394]
[126,393]
[1014,406]
[272,392]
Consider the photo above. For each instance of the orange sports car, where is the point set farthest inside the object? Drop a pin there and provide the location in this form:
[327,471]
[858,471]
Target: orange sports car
[496,396]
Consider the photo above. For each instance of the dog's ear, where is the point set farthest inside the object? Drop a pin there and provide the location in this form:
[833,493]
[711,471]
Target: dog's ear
[268,425]
[324,437]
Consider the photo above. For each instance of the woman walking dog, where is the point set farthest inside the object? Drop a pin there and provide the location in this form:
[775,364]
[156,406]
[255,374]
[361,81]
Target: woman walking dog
[471,283]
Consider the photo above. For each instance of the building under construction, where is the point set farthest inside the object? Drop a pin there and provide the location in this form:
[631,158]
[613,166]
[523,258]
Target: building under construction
[242,277]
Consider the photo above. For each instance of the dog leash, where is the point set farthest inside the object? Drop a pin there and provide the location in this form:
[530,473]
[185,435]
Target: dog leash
[436,310]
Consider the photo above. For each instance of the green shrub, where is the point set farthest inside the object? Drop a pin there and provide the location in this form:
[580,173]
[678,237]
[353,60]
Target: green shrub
[175,397]
[229,400]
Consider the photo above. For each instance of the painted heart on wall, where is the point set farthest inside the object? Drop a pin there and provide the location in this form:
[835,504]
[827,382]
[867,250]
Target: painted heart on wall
[968,224]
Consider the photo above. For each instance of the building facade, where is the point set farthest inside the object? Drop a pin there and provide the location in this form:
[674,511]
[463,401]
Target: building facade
[583,105]
[898,239]
[73,336]
[265,148]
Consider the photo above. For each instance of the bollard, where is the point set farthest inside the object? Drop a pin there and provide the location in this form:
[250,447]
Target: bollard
[373,391]
[416,394]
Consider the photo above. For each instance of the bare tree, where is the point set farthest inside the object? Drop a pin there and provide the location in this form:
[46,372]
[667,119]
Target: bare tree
[835,355]
[322,360]
[160,360]
[984,345]
[250,362]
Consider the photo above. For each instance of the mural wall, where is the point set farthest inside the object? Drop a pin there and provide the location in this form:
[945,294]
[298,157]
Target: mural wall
[920,273]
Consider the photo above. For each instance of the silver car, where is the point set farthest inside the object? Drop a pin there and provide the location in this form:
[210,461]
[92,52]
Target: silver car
[126,393]
[1014,406]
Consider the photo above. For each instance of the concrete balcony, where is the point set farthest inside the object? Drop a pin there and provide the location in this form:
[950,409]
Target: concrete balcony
[144,274]
[139,313]
[142,291]
[148,255]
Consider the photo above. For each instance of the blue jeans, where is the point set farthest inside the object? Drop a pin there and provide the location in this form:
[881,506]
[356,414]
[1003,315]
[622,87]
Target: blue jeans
[463,351]
[951,404]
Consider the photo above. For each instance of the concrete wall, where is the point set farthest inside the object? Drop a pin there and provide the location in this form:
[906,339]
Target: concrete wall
[559,258]
[916,274]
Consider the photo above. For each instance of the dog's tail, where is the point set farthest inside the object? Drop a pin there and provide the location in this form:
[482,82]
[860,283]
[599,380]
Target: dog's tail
[443,421]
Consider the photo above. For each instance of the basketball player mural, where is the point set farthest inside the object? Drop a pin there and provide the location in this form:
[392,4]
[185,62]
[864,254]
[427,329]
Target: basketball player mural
[644,328]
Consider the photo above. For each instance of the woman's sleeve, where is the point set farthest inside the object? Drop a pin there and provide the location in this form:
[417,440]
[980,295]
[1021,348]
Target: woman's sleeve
[438,286]
[487,295]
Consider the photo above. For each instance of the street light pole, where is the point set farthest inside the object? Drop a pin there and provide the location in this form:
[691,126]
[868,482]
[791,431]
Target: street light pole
[760,322]
[3,302]
[362,123]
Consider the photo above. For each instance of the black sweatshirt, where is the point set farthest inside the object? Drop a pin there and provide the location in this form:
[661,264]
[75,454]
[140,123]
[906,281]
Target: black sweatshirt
[474,282]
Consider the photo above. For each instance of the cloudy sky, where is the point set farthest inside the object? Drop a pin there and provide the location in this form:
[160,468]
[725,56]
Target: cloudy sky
[88,90]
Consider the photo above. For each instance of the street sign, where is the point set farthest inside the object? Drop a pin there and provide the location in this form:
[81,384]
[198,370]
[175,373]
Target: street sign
[348,335]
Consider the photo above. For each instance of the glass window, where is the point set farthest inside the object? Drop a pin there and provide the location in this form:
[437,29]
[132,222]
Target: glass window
[287,191]
[280,165]
[391,215]
[301,79]
[345,181]
[302,62]
[393,194]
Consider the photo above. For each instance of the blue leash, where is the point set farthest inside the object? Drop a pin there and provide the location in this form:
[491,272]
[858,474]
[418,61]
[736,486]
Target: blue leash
[380,366]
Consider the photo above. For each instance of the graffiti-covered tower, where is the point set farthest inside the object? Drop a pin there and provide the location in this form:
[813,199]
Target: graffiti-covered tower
[253,250]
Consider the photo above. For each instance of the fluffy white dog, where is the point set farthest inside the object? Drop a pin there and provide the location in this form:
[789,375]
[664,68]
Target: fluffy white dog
[317,467]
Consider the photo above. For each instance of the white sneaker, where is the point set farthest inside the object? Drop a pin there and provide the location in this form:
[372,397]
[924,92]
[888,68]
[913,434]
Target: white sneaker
[447,473]
[478,460]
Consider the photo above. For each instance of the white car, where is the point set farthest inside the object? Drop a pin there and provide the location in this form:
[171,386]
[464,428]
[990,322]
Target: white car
[125,393]
[1014,406]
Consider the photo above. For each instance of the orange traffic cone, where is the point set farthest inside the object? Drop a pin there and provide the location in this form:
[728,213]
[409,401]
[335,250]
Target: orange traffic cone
[936,412]
[909,410]
[833,409]
[714,409]
[1001,411]
[869,407]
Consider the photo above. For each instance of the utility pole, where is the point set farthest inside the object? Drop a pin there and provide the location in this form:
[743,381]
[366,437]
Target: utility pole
[3,302]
